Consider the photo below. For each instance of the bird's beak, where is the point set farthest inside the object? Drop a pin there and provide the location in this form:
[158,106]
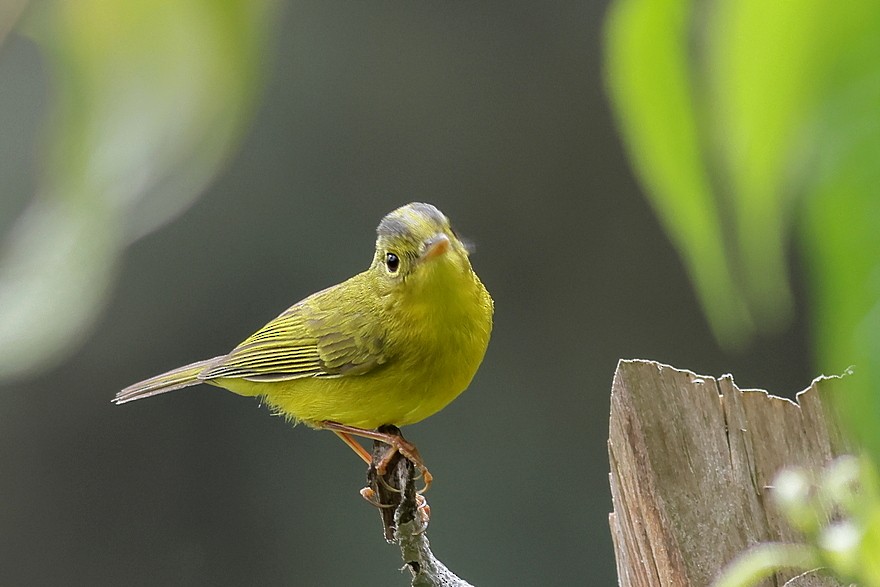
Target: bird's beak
[436,246]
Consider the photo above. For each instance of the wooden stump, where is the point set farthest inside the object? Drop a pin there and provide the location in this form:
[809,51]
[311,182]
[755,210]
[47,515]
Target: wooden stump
[692,461]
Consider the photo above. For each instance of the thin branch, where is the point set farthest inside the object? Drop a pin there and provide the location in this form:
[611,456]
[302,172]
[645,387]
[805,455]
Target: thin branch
[405,515]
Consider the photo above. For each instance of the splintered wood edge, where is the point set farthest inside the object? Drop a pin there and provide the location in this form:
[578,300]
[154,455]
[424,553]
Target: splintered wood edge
[692,458]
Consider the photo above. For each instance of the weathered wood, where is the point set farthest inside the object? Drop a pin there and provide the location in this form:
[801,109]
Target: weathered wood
[692,461]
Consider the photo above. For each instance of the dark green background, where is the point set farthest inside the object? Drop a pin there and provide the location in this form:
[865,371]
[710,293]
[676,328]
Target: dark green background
[494,112]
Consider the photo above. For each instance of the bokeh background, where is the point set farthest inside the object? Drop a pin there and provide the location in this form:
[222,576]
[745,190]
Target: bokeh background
[496,113]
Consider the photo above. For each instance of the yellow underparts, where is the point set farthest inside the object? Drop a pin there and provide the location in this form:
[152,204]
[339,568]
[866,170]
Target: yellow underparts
[435,348]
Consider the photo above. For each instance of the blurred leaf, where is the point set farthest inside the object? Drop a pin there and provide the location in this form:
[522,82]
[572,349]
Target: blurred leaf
[744,77]
[150,98]
[789,95]
[768,66]
[649,79]
[760,67]
[870,562]
[841,232]
[763,560]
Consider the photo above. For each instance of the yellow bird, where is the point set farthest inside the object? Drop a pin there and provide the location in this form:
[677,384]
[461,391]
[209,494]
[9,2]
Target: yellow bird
[392,345]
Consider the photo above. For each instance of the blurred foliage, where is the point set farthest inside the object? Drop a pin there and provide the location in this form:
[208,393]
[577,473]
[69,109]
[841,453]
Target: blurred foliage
[746,119]
[735,113]
[149,99]
[837,511]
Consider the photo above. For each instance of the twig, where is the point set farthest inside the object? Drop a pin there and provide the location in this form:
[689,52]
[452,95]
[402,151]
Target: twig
[405,515]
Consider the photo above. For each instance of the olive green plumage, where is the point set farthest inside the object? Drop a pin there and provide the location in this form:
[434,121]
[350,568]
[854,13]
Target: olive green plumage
[392,345]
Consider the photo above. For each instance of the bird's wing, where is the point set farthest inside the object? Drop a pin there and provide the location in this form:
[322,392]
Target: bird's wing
[314,338]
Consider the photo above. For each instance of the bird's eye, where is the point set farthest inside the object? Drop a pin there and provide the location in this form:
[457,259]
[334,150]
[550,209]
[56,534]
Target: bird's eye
[392,262]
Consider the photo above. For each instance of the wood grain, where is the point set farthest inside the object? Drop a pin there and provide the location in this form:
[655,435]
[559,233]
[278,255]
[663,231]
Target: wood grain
[692,461]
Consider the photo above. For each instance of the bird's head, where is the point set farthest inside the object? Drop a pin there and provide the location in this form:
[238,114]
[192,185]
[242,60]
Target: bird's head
[417,247]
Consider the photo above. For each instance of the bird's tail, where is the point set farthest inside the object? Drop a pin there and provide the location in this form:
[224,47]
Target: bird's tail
[174,379]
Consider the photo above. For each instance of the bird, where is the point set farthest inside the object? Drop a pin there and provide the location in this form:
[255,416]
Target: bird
[391,345]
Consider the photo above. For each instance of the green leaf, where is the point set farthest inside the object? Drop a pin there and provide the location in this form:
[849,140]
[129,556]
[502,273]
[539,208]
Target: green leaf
[150,98]
[764,560]
[650,82]
[842,215]
[760,70]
